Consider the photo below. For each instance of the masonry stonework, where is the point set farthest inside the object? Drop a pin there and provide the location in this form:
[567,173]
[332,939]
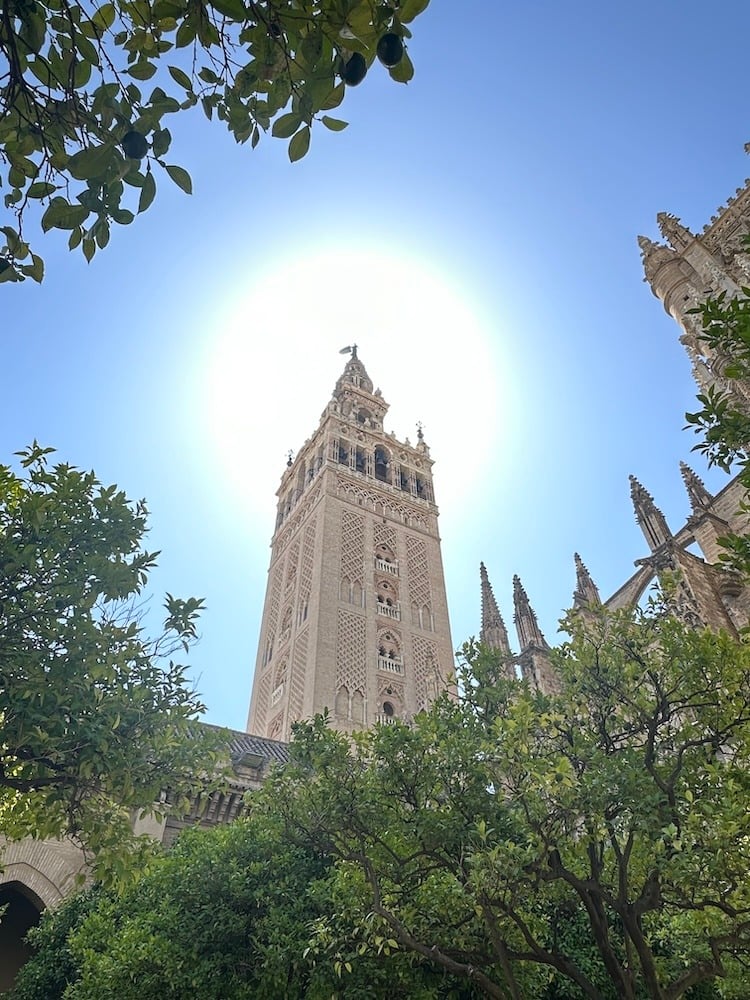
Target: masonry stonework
[365,618]
[682,272]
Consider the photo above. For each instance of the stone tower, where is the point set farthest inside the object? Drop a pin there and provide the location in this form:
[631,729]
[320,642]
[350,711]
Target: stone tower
[355,618]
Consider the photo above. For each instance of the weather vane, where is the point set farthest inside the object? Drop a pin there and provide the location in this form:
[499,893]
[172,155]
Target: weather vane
[289,456]
[420,426]
[352,349]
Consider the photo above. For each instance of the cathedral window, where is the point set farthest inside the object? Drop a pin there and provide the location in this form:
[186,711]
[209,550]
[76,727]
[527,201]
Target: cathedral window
[388,709]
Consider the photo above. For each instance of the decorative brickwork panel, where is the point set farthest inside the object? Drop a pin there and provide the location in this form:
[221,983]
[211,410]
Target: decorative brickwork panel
[381,503]
[300,513]
[276,726]
[275,604]
[419,573]
[384,534]
[308,555]
[427,679]
[352,546]
[291,565]
[264,690]
[351,652]
[297,682]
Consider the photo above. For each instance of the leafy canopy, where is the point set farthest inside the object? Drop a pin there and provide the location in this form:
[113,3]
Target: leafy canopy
[97,719]
[594,843]
[227,913]
[82,129]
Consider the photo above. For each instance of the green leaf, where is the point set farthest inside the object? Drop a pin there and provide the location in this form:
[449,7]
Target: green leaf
[180,77]
[181,178]
[161,141]
[35,269]
[233,9]
[104,17]
[122,216]
[148,192]
[62,215]
[410,9]
[89,249]
[334,124]
[12,238]
[300,144]
[403,71]
[142,70]
[286,126]
[40,189]
[335,98]
[90,162]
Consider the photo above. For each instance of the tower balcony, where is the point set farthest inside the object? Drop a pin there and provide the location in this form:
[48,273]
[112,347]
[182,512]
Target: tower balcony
[385,720]
[386,567]
[390,611]
[389,665]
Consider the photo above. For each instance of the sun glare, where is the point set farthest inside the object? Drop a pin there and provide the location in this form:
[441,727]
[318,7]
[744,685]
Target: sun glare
[272,361]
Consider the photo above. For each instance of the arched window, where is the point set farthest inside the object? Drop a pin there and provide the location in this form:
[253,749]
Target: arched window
[388,709]
[342,703]
[382,465]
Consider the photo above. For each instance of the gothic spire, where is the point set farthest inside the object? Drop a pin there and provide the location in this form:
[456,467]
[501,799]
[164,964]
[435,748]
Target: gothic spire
[529,633]
[700,498]
[586,593]
[649,517]
[673,230]
[493,632]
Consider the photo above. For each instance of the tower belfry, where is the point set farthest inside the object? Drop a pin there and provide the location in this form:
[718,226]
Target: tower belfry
[355,618]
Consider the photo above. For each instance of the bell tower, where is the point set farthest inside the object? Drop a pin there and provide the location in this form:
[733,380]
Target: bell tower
[355,618]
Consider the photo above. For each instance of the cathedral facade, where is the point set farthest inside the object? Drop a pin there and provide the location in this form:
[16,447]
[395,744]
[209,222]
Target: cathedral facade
[682,270]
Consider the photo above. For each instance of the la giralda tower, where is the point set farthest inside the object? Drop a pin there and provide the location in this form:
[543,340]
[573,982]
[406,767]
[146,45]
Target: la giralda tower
[355,618]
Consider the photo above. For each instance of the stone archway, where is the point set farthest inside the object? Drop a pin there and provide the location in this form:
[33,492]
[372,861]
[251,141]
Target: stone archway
[23,909]
[36,875]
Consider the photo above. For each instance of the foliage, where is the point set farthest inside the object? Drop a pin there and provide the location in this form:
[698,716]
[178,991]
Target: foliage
[590,844]
[723,422]
[97,719]
[52,966]
[80,136]
[226,915]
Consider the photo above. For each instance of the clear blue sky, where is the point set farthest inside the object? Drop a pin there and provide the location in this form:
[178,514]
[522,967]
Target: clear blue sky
[512,176]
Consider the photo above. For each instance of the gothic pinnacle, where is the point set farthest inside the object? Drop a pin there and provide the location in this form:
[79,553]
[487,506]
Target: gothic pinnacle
[652,522]
[493,632]
[673,230]
[700,498]
[527,626]
[586,593]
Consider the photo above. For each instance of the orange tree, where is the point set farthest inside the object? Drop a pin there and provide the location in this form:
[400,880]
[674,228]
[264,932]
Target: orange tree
[87,90]
[97,717]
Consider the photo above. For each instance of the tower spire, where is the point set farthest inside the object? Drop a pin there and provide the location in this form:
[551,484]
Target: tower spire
[527,626]
[700,498]
[493,632]
[649,517]
[586,594]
